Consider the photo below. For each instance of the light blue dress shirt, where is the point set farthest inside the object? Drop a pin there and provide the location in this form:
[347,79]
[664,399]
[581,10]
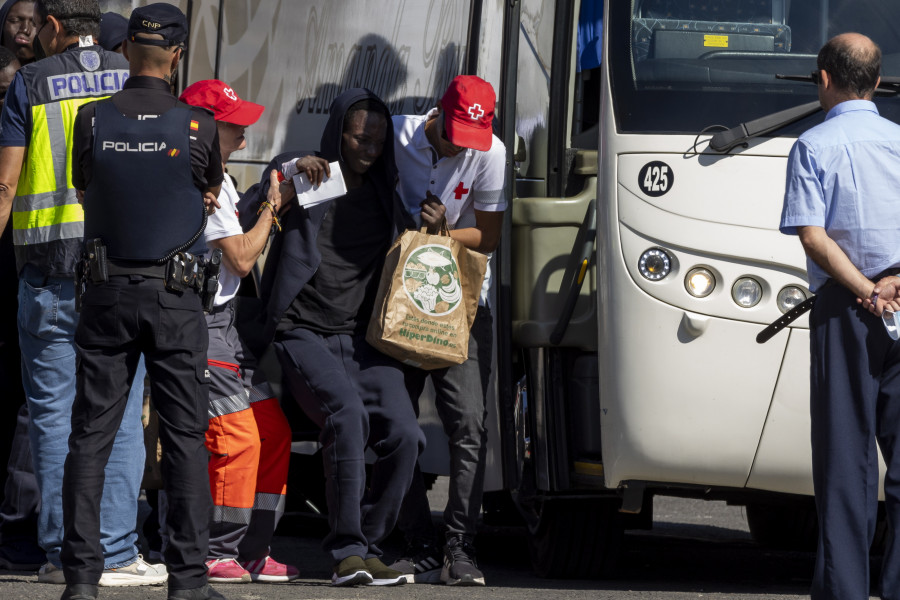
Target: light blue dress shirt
[844,175]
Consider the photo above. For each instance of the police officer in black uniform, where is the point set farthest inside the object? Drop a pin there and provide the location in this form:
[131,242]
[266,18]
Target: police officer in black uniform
[143,167]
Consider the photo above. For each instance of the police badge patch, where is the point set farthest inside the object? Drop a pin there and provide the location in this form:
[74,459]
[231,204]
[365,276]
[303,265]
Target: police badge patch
[90,60]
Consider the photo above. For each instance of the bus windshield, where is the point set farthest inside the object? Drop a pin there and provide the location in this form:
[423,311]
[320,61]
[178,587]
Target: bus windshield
[691,65]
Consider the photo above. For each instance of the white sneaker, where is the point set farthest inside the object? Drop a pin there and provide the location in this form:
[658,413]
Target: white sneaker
[139,572]
[51,574]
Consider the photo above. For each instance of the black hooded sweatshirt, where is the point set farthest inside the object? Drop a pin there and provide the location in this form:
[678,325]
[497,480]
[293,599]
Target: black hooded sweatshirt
[316,283]
[4,10]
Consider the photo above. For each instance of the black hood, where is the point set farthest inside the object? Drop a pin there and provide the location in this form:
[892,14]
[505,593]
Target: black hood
[4,10]
[384,171]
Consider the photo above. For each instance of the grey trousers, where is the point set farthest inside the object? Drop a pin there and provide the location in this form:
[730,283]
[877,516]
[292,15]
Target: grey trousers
[460,393]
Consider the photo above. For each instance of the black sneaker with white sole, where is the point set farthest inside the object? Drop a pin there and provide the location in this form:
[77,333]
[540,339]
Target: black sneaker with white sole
[383,575]
[420,563]
[460,567]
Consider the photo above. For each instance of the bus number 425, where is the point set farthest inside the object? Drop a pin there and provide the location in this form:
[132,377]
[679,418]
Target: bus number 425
[656,178]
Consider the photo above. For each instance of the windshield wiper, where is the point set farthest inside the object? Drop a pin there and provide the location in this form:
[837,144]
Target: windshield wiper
[724,141]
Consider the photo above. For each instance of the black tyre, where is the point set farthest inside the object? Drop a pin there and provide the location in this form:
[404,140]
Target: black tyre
[784,526]
[576,539]
[796,527]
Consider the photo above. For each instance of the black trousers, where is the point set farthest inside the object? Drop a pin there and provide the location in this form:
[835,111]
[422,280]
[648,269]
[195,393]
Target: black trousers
[120,320]
[854,411]
[21,496]
[12,394]
[357,396]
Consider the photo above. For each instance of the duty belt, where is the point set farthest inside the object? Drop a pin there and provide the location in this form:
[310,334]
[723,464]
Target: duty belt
[152,271]
[181,271]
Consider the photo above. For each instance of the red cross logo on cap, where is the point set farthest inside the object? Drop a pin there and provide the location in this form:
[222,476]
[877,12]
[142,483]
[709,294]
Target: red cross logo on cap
[476,112]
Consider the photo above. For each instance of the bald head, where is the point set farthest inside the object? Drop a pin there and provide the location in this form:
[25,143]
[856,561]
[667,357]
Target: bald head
[853,62]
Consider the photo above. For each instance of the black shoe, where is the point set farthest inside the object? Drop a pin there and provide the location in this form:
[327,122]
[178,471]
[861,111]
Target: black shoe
[383,575]
[420,563]
[201,593]
[79,591]
[459,563]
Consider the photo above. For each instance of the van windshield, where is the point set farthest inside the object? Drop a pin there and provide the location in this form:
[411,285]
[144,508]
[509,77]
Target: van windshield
[690,64]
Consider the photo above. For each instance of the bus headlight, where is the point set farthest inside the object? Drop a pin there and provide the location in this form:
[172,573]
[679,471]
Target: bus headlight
[699,282]
[746,292]
[789,297]
[655,264]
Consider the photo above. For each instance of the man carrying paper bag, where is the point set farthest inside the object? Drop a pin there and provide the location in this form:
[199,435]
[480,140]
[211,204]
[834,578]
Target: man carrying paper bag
[452,166]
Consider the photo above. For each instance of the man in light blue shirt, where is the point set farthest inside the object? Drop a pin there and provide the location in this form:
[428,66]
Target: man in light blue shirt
[843,178]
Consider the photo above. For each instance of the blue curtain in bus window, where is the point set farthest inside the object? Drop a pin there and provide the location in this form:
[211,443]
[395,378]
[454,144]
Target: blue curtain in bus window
[590,34]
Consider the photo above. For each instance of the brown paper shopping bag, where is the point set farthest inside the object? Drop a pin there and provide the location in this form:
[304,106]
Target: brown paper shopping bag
[427,300]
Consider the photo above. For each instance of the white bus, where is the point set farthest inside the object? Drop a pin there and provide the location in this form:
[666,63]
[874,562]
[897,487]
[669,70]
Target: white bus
[638,263]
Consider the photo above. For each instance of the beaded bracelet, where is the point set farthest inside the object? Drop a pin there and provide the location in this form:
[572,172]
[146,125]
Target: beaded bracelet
[275,221]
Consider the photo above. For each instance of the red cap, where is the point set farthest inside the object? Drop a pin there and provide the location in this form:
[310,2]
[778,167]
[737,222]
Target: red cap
[223,101]
[468,112]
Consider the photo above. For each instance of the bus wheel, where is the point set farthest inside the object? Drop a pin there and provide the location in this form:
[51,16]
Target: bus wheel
[576,538]
[795,526]
[784,526]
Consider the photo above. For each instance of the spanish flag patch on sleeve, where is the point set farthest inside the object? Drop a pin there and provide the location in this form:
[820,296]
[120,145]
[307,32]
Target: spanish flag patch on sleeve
[195,126]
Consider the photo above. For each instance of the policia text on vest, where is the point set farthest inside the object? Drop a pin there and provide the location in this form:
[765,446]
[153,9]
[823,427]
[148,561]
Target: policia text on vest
[81,85]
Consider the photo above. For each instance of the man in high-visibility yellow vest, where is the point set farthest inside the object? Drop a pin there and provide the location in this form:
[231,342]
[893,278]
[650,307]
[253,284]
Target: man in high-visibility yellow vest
[37,194]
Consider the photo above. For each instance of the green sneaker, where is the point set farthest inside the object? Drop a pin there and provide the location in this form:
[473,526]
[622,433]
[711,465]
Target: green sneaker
[351,571]
[382,574]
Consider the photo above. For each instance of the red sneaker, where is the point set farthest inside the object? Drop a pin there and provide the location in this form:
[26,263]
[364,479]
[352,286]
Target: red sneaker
[226,570]
[269,570]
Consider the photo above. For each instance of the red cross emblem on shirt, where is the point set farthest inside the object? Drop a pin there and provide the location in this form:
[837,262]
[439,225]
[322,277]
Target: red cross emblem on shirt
[460,191]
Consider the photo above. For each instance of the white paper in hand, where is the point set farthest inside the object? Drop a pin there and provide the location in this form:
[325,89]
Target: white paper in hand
[331,187]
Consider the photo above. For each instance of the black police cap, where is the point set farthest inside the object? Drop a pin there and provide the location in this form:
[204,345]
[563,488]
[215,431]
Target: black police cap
[160,18]
[113,29]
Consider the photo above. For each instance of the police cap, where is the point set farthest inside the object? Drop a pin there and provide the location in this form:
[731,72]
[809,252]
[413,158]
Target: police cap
[160,18]
[113,29]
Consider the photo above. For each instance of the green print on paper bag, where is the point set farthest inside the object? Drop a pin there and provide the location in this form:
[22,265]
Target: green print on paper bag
[431,280]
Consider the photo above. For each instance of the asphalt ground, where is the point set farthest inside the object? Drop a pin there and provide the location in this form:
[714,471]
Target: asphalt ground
[696,549]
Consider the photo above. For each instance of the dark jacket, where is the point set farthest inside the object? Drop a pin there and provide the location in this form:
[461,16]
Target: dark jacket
[294,256]
[9,291]
[4,10]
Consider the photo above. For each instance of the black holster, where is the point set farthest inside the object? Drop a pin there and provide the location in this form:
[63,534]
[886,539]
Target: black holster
[186,271]
[92,267]
[212,269]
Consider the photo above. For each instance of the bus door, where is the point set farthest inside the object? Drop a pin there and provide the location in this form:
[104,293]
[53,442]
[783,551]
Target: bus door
[550,279]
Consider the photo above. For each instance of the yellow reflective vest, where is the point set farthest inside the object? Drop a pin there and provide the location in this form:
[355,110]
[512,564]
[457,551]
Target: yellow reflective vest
[48,222]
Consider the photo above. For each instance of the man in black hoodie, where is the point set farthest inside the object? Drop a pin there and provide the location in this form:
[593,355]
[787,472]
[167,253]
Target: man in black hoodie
[319,285]
[17,29]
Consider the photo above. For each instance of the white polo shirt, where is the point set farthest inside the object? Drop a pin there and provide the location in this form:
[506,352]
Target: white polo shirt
[222,224]
[472,180]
